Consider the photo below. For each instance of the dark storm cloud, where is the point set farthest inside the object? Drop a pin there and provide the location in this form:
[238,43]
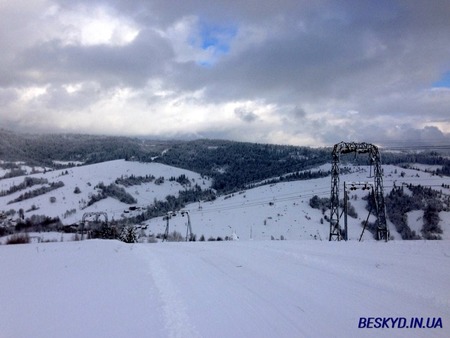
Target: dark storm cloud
[111,65]
[245,114]
[336,57]
[7,96]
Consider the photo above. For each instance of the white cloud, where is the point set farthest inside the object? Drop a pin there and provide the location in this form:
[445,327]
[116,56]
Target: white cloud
[72,87]
[92,25]
[31,93]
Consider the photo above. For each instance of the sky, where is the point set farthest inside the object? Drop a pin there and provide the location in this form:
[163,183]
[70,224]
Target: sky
[287,72]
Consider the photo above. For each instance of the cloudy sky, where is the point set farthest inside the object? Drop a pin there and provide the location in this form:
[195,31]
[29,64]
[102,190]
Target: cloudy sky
[288,71]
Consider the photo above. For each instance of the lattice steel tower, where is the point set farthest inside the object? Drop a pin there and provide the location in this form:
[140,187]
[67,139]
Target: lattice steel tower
[380,210]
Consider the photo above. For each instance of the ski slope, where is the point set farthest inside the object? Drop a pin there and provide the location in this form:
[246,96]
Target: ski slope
[100,288]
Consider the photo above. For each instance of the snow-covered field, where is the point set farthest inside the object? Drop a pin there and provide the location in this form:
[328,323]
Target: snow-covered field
[271,211]
[100,288]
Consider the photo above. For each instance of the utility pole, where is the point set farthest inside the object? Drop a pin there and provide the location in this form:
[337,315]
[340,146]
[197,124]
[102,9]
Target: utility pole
[345,212]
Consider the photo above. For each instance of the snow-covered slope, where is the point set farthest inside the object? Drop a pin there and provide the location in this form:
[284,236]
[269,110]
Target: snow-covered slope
[270,289]
[271,211]
[282,210]
[70,206]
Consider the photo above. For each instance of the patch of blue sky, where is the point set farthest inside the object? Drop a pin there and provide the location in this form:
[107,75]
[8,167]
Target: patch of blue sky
[444,82]
[215,39]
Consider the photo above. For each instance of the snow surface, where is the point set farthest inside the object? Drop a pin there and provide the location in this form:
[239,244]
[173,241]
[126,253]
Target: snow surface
[253,287]
[282,209]
[259,213]
[100,288]
[415,220]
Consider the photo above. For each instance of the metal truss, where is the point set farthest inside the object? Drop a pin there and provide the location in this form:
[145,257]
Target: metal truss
[336,232]
[96,216]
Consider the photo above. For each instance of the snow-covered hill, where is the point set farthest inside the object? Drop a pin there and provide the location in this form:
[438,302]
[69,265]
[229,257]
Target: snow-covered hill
[70,206]
[101,288]
[282,210]
[273,211]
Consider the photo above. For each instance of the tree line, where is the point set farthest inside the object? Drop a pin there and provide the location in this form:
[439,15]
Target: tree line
[399,203]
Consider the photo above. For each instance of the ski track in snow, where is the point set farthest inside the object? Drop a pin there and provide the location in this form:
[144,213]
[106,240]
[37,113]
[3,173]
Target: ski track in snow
[258,289]
[176,319]
[286,289]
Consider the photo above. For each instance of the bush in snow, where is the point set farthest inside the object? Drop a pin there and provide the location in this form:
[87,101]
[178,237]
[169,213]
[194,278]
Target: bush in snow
[431,228]
[175,236]
[128,235]
[159,180]
[37,192]
[104,231]
[320,203]
[39,223]
[18,239]
[113,191]
[76,238]
[27,183]
[152,239]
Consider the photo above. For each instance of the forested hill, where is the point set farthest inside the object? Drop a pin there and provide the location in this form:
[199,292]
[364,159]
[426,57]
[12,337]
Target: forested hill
[232,165]
[238,165]
[43,149]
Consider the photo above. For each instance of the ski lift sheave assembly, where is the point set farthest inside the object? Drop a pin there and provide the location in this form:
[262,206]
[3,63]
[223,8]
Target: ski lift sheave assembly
[336,233]
[169,215]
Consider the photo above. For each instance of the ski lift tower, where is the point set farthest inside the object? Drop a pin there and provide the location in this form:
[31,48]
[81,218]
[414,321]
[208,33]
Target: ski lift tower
[96,216]
[189,234]
[380,210]
[167,218]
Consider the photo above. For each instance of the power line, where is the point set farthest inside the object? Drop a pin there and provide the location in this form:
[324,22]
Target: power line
[416,147]
[258,203]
